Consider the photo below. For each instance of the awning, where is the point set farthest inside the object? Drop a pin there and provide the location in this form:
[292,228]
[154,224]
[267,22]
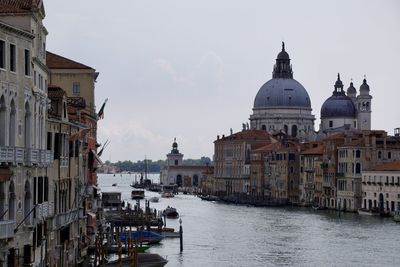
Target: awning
[5,174]
[96,157]
[92,214]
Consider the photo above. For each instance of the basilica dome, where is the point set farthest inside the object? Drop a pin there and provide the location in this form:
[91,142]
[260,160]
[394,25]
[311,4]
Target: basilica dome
[339,105]
[282,91]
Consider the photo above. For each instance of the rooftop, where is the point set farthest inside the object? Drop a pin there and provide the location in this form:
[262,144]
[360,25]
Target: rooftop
[54,61]
[388,166]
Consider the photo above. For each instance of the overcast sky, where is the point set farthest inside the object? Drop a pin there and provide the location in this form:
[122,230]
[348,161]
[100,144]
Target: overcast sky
[191,69]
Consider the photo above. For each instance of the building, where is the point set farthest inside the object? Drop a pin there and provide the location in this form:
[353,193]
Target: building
[78,82]
[311,178]
[184,176]
[381,187]
[24,203]
[283,104]
[341,111]
[232,161]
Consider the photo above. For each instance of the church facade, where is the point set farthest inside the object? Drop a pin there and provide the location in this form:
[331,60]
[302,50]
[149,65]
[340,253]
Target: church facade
[176,173]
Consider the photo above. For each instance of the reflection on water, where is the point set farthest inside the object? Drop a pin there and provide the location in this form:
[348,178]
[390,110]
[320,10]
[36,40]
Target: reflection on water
[217,234]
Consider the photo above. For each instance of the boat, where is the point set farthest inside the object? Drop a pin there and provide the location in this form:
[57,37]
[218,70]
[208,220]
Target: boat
[209,198]
[171,212]
[396,216]
[154,199]
[318,207]
[148,237]
[114,184]
[167,194]
[143,260]
[368,212]
[137,194]
[138,249]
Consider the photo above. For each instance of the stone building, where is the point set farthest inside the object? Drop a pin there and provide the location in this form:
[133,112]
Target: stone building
[283,104]
[381,187]
[184,176]
[311,178]
[78,82]
[24,203]
[232,161]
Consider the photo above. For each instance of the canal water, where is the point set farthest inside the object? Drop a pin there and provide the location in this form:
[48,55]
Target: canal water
[217,234]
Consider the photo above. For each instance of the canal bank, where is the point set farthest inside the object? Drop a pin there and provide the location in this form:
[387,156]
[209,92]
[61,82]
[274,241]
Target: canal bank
[218,234]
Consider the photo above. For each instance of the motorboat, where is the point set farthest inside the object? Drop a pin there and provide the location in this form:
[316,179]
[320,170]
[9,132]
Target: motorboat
[143,260]
[154,199]
[368,212]
[148,237]
[137,194]
[209,198]
[167,194]
[171,212]
[114,184]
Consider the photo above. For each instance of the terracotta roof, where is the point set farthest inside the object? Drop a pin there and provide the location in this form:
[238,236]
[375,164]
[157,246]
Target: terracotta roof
[266,148]
[54,61]
[19,6]
[55,92]
[388,166]
[247,135]
[319,150]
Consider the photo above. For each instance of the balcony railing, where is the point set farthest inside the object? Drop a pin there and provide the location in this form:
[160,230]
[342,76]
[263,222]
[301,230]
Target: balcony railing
[66,218]
[44,211]
[18,155]
[7,229]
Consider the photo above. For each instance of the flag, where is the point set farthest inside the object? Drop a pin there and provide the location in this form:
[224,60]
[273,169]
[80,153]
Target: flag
[100,115]
[79,135]
[102,149]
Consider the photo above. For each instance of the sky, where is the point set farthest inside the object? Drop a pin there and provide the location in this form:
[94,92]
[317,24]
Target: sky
[191,69]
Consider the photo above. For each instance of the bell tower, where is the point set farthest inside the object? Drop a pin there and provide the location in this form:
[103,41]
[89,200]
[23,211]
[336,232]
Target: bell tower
[174,158]
[364,107]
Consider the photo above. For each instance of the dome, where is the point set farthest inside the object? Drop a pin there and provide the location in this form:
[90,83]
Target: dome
[283,55]
[364,86]
[338,106]
[281,92]
[351,90]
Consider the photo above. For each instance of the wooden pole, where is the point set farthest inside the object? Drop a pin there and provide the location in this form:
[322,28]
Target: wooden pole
[119,251]
[181,235]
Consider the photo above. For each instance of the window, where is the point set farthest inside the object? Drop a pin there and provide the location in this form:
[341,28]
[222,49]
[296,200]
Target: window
[13,58]
[27,55]
[358,153]
[76,88]
[389,155]
[355,124]
[2,54]
[34,78]
[330,124]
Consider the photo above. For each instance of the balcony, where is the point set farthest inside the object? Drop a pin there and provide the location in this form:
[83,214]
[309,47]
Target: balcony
[32,156]
[44,211]
[21,156]
[66,218]
[7,229]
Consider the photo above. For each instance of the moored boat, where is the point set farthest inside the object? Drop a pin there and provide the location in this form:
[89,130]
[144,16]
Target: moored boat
[396,216]
[143,260]
[167,194]
[154,199]
[149,237]
[368,212]
[137,194]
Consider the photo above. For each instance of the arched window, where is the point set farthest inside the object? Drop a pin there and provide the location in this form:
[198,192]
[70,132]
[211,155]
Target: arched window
[294,130]
[12,124]
[11,201]
[2,121]
[27,203]
[179,180]
[195,180]
[27,125]
[285,129]
[358,168]
[264,127]
[358,153]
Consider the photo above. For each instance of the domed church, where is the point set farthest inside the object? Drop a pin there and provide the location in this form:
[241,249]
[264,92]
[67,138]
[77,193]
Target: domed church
[341,111]
[282,103]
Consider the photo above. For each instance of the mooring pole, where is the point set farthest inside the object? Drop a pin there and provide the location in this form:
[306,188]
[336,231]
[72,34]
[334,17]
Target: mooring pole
[180,235]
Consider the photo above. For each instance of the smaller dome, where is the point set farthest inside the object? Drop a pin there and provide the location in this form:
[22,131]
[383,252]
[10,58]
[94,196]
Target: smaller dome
[338,106]
[351,90]
[364,86]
